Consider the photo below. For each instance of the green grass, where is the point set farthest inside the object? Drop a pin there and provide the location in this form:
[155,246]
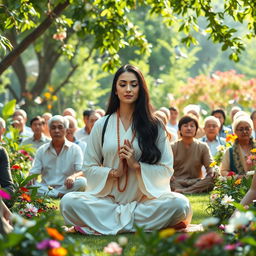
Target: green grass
[97,243]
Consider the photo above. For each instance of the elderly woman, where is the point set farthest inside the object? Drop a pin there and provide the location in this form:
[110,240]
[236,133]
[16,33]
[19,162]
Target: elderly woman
[190,155]
[235,157]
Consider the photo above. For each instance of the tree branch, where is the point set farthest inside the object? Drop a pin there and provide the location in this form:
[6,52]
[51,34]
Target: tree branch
[12,56]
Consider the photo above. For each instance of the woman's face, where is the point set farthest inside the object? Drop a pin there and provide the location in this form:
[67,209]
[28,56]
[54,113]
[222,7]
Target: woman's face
[243,131]
[188,129]
[127,88]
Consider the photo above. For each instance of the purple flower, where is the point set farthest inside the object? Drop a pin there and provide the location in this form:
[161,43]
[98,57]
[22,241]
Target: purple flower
[48,243]
[4,195]
[43,244]
[231,247]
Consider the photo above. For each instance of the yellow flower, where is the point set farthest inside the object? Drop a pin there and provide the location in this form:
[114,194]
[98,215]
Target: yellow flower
[253,150]
[49,106]
[167,232]
[57,252]
[51,89]
[54,97]
[47,95]
[238,182]
[213,164]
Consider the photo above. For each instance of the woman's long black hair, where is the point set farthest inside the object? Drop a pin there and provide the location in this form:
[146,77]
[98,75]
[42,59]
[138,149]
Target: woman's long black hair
[144,123]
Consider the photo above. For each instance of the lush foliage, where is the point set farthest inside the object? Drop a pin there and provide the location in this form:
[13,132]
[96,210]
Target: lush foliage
[228,190]
[235,238]
[222,89]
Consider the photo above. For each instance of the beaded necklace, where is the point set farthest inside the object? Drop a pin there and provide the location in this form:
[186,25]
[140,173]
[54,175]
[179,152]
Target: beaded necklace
[125,165]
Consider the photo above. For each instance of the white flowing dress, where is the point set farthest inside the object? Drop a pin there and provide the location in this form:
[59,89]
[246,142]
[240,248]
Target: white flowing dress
[147,200]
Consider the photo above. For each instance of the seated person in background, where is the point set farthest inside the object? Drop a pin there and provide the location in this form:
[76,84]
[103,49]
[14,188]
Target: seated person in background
[38,138]
[71,131]
[22,112]
[46,116]
[83,134]
[69,112]
[189,156]
[235,157]
[59,162]
[173,122]
[6,181]
[220,114]
[2,128]
[172,136]
[211,129]
[253,117]
[194,110]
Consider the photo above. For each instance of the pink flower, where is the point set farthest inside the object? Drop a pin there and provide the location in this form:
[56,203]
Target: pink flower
[231,247]
[4,195]
[113,248]
[231,174]
[207,241]
[48,243]
[182,237]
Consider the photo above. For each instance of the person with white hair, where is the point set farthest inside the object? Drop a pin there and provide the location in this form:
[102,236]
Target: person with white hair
[21,112]
[211,128]
[2,128]
[70,135]
[235,157]
[59,162]
[69,112]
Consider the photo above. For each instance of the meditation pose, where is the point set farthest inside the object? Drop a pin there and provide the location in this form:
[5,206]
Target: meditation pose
[128,165]
[190,155]
[59,162]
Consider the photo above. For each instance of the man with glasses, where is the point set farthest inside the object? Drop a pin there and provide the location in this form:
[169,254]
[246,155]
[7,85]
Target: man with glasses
[59,162]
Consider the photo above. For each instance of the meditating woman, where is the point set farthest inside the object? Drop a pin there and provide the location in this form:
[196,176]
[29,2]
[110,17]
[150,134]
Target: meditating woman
[235,157]
[128,166]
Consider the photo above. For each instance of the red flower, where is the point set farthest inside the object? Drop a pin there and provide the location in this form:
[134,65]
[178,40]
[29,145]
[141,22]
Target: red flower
[231,173]
[40,210]
[208,240]
[16,167]
[24,189]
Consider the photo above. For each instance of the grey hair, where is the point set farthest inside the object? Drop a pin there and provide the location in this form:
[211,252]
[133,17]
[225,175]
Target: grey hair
[212,118]
[71,119]
[59,118]
[2,123]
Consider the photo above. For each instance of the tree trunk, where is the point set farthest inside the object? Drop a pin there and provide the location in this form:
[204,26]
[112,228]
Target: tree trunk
[13,55]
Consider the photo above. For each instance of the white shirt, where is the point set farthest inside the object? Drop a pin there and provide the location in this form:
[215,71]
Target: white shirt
[56,168]
[81,134]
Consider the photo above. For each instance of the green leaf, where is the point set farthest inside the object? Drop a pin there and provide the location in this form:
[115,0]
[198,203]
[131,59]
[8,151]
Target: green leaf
[8,109]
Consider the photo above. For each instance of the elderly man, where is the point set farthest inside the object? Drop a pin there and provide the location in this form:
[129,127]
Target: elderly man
[38,139]
[70,135]
[90,117]
[59,162]
[211,128]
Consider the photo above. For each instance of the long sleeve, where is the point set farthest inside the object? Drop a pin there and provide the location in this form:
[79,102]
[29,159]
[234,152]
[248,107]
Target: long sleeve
[37,164]
[207,158]
[94,170]
[155,178]
[6,181]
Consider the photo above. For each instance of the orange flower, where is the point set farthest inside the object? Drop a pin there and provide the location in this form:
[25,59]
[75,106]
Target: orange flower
[231,138]
[238,182]
[54,233]
[25,197]
[57,252]
[16,167]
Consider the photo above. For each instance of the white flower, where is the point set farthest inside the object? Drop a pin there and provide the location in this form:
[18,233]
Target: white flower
[210,221]
[229,229]
[221,148]
[213,197]
[31,208]
[222,178]
[88,7]
[241,219]
[249,173]
[122,240]
[77,25]
[227,200]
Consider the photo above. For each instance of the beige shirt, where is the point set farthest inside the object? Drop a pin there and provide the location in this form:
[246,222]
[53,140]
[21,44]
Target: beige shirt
[56,168]
[188,162]
[225,164]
